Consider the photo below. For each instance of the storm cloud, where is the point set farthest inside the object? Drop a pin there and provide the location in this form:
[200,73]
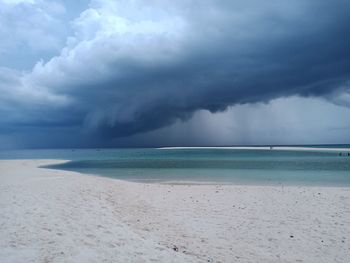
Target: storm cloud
[131,67]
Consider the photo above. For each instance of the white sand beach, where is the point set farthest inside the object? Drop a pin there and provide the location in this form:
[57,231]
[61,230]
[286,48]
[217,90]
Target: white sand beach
[58,216]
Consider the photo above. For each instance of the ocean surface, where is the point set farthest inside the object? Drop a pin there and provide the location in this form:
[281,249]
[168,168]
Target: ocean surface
[257,167]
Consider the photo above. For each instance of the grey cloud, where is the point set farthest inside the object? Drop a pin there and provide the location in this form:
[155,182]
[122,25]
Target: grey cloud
[133,67]
[292,120]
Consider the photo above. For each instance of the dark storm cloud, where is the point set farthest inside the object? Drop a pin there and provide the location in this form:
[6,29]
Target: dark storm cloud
[135,67]
[273,53]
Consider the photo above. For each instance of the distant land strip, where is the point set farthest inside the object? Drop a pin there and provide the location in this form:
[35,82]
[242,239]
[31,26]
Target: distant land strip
[272,148]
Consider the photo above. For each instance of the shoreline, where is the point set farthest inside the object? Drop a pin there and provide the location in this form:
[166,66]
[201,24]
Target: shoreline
[201,181]
[61,216]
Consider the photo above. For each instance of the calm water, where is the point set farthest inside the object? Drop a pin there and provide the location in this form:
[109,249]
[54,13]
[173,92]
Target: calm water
[203,165]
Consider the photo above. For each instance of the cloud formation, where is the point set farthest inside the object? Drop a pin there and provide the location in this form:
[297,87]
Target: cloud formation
[292,120]
[30,30]
[133,66]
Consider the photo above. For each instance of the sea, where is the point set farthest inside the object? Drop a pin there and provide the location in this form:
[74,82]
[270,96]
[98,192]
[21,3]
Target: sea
[197,166]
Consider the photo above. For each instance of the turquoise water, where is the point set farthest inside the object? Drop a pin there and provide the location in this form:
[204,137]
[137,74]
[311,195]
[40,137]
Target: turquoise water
[202,165]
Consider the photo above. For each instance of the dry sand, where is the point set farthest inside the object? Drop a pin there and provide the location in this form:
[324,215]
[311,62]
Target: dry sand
[58,216]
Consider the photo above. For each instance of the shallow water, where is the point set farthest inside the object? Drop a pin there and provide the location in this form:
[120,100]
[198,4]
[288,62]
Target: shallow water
[203,165]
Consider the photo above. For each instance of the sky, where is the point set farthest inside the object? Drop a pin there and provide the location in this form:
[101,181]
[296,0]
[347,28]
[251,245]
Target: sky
[132,73]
